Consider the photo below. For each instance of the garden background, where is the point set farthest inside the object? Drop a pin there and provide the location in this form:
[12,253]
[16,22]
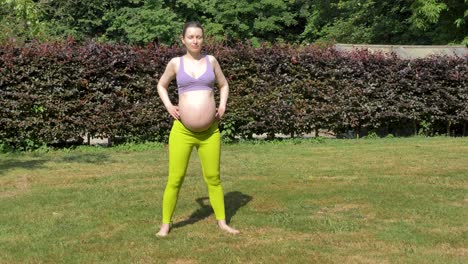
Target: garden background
[71,71]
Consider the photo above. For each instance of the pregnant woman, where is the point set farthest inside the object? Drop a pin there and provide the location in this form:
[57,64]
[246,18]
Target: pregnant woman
[195,123]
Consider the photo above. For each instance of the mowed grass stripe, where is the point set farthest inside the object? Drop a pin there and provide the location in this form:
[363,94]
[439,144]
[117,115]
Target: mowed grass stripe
[396,200]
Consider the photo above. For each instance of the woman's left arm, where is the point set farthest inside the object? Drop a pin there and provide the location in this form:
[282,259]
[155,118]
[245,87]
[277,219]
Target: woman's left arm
[223,88]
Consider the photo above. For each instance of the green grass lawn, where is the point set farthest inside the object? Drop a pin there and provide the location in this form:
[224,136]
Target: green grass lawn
[396,200]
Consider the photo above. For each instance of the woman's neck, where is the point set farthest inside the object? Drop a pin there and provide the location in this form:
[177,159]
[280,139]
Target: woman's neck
[194,56]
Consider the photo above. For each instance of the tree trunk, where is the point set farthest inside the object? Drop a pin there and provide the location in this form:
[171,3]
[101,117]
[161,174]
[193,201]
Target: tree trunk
[448,128]
[270,135]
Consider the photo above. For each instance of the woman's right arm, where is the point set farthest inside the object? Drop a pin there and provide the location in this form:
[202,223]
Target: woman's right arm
[163,85]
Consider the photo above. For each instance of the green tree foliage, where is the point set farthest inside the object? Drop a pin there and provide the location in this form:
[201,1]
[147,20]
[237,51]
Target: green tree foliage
[386,22]
[20,19]
[441,21]
[150,22]
[271,17]
[426,12]
[80,19]
[292,21]
[265,20]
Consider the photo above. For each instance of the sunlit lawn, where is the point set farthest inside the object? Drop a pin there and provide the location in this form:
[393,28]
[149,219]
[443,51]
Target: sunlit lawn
[296,201]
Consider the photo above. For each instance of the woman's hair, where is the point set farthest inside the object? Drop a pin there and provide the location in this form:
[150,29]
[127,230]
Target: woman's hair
[192,24]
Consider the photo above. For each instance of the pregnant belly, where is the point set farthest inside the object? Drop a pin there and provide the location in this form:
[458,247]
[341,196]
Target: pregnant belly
[197,110]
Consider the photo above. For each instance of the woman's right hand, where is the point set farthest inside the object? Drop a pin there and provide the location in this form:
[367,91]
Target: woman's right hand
[173,111]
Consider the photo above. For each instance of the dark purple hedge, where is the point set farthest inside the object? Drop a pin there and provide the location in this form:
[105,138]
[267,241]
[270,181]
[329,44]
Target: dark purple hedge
[54,92]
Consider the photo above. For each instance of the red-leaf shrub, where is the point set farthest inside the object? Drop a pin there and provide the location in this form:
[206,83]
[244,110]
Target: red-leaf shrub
[54,92]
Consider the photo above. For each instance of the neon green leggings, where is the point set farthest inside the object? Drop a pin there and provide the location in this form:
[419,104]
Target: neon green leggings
[181,143]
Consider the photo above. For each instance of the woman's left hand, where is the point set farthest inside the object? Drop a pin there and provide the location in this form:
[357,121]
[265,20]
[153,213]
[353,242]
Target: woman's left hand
[220,112]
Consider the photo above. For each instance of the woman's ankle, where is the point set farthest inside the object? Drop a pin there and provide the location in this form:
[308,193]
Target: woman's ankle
[224,226]
[164,230]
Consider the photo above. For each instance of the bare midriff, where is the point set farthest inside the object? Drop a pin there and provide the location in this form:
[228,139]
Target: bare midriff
[197,109]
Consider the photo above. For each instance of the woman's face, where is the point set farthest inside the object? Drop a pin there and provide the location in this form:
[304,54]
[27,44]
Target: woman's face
[193,39]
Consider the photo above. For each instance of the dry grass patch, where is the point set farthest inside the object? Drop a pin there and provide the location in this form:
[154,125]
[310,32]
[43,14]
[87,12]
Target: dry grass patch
[339,201]
[266,205]
[14,187]
[182,261]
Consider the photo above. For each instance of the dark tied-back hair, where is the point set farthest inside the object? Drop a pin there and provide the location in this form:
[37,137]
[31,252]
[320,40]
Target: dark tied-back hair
[192,24]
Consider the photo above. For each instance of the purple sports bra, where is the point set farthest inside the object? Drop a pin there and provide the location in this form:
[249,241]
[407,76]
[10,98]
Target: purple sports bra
[186,83]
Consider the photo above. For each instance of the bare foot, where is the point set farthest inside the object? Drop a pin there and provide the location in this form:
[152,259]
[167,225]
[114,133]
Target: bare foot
[222,224]
[163,231]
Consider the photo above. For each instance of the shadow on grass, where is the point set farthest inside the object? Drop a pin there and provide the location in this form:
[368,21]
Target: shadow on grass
[233,202]
[12,163]
[9,164]
[95,158]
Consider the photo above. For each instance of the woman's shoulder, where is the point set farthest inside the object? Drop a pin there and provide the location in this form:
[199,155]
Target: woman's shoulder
[175,59]
[211,58]
[174,63]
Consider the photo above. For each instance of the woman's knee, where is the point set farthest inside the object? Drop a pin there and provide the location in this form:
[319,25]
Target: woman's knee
[175,180]
[212,178]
